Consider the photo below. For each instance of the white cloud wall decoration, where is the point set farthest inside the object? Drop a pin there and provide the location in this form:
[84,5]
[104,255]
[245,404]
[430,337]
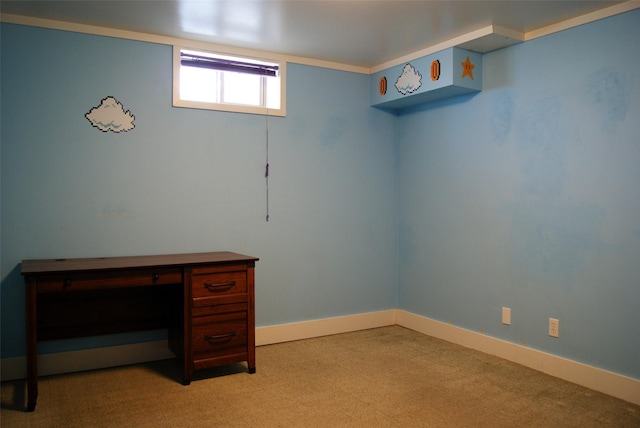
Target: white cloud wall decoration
[111,116]
[410,80]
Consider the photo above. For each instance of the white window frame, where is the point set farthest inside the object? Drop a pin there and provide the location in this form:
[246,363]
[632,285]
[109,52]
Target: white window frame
[237,108]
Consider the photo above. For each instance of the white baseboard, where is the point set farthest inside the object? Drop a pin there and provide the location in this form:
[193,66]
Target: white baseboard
[323,327]
[88,359]
[121,355]
[610,383]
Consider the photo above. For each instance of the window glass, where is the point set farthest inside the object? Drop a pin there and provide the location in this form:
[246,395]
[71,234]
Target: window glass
[239,88]
[223,82]
[198,84]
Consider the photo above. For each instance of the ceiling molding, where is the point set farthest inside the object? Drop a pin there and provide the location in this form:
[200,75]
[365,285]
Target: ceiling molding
[493,37]
[485,39]
[173,41]
[583,19]
[482,40]
[496,38]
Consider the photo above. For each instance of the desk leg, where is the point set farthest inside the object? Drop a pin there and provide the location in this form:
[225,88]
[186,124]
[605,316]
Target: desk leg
[251,351]
[32,347]
[186,381]
[251,319]
[187,354]
[187,365]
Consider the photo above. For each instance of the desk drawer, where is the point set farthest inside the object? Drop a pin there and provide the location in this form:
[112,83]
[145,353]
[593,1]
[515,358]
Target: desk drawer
[200,311]
[210,286]
[113,279]
[219,335]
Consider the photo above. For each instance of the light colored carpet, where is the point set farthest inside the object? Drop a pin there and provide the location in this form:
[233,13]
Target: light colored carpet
[385,377]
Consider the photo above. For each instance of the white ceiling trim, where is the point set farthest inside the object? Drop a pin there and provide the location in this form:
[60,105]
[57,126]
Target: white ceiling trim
[173,41]
[465,41]
[583,19]
[481,40]
[494,37]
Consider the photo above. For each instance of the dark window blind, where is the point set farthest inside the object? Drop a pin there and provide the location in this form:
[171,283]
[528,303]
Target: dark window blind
[221,64]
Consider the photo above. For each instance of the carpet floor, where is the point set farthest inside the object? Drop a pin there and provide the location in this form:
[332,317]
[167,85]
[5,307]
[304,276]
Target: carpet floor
[383,377]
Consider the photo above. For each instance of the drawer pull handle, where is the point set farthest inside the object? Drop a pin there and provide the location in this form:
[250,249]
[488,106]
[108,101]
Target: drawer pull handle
[220,336]
[214,287]
[155,277]
[66,283]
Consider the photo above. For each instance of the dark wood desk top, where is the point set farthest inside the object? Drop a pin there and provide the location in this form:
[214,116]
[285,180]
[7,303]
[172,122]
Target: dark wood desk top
[34,267]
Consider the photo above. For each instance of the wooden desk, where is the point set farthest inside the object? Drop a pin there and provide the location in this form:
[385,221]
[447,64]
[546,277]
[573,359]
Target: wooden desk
[205,300]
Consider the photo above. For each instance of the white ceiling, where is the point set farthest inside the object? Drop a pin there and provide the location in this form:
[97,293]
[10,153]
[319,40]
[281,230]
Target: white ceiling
[362,33]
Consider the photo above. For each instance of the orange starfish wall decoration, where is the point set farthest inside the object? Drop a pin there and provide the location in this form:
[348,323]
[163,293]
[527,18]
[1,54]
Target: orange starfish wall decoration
[467,68]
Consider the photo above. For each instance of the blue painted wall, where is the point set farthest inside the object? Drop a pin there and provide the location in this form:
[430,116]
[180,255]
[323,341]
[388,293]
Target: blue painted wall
[187,180]
[527,195]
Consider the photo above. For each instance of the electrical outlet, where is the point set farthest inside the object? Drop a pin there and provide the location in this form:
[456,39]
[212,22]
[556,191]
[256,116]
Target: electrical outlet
[554,327]
[506,316]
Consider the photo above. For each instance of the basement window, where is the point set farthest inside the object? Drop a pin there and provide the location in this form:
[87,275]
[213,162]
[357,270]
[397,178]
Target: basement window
[214,81]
